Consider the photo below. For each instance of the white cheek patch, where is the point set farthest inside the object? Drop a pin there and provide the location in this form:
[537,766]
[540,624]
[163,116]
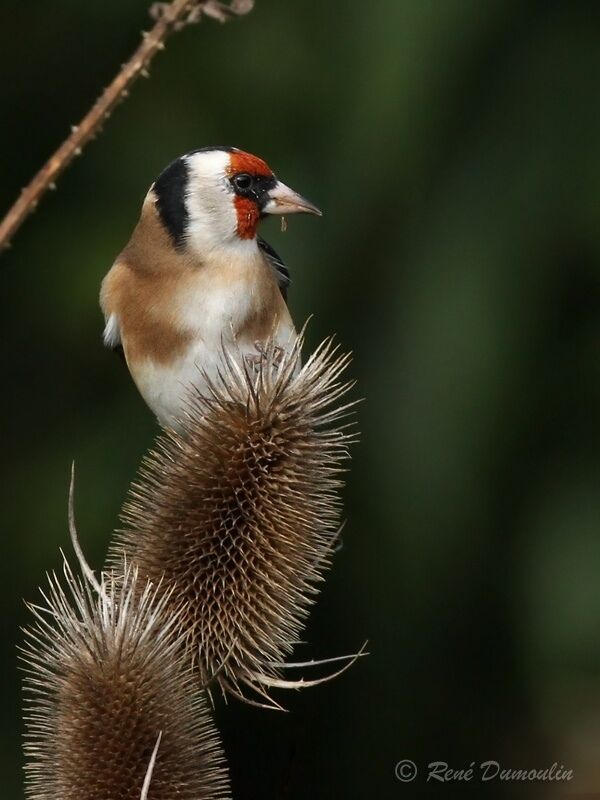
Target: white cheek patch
[212,219]
[112,332]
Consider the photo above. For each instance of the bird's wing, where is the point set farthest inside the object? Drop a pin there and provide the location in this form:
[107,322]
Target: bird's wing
[282,273]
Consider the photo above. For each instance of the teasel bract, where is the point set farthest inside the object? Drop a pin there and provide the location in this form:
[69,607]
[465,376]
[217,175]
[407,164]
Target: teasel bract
[237,517]
[112,710]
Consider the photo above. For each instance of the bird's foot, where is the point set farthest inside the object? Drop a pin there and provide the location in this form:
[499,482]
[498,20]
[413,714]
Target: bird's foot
[254,361]
[278,354]
[262,356]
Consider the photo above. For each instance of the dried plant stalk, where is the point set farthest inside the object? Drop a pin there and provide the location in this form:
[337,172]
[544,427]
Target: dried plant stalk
[238,515]
[170,16]
[113,712]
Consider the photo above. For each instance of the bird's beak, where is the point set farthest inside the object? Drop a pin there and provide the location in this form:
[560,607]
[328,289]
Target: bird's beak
[283,200]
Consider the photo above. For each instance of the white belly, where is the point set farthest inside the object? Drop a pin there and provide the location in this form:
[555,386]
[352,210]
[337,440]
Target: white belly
[167,389]
[215,306]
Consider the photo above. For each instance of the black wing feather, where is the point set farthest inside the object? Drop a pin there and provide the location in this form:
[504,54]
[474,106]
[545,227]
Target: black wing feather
[282,273]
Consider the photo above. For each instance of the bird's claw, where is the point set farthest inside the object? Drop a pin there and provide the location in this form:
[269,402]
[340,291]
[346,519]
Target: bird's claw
[278,354]
[256,360]
[253,361]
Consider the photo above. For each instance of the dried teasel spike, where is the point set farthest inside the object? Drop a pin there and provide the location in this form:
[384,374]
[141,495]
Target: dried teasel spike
[239,513]
[302,683]
[317,662]
[83,565]
[112,708]
[150,771]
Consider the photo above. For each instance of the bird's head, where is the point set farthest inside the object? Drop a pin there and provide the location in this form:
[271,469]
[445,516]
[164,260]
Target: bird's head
[215,197]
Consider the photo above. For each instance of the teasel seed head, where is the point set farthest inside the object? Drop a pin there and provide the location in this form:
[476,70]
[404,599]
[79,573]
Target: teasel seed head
[113,711]
[239,514]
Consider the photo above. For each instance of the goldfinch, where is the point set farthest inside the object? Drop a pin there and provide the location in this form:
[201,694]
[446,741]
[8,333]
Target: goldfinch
[195,276]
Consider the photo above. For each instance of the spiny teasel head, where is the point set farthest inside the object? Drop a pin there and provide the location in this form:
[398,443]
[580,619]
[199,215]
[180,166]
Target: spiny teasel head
[238,516]
[113,711]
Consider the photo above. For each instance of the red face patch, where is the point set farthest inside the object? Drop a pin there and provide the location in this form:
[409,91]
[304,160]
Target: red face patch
[248,215]
[247,209]
[246,162]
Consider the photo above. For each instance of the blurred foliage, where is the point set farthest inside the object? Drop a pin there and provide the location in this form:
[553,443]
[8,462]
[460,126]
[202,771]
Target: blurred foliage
[453,145]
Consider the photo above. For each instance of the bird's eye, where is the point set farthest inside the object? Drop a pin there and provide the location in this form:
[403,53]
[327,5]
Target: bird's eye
[243,182]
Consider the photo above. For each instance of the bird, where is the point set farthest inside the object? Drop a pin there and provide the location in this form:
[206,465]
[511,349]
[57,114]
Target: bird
[196,278]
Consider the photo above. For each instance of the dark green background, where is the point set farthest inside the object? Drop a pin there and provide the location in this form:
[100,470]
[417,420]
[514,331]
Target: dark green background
[454,146]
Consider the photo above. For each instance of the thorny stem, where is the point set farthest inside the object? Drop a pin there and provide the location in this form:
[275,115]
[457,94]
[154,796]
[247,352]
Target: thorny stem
[169,17]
